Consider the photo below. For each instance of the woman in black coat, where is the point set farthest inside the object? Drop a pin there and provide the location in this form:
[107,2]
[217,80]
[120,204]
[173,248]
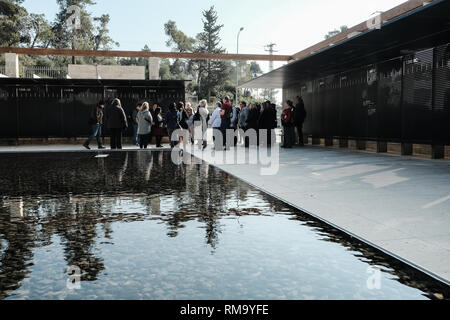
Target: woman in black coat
[117,122]
[172,123]
[252,122]
[265,121]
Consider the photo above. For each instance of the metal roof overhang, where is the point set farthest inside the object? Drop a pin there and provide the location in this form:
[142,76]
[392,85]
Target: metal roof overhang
[422,28]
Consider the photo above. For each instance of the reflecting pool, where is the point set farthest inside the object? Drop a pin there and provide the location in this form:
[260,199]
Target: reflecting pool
[137,226]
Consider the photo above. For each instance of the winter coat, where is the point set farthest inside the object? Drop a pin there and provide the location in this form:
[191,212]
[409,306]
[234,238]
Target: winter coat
[116,118]
[172,119]
[144,119]
[216,120]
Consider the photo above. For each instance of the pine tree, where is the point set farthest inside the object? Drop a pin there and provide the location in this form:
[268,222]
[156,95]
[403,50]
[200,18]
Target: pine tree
[93,34]
[211,73]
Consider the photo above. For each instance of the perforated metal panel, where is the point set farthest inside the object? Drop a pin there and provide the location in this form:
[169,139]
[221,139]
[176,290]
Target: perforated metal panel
[308,98]
[441,108]
[389,104]
[403,99]
[8,106]
[418,97]
[318,107]
[48,108]
[331,106]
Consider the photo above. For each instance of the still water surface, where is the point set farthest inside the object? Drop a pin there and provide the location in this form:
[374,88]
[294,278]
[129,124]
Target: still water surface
[140,227]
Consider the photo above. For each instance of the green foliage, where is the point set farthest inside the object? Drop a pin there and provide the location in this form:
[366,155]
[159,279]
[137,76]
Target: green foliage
[211,73]
[179,41]
[210,78]
[335,32]
[12,26]
[19,28]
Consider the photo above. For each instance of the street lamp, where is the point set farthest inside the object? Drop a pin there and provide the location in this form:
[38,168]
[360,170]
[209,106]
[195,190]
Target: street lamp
[237,67]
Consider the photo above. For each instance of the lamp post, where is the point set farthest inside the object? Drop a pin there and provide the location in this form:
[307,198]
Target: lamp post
[237,67]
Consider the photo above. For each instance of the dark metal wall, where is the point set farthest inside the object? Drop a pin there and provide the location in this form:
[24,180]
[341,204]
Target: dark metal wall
[48,108]
[406,99]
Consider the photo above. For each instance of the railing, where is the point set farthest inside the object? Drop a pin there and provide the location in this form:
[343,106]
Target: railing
[44,72]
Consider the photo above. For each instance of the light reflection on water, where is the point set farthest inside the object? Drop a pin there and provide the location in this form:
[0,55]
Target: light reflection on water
[140,227]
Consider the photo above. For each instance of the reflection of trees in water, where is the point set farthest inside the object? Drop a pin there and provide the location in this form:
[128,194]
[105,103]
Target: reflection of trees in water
[17,245]
[83,198]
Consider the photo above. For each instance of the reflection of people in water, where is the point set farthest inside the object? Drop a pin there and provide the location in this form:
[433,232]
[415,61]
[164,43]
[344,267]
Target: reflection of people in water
[144,164]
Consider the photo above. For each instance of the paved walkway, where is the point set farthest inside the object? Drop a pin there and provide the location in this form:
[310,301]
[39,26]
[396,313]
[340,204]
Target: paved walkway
[398,204]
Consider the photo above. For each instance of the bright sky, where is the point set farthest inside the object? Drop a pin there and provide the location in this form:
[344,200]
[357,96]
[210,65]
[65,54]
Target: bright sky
[292,24]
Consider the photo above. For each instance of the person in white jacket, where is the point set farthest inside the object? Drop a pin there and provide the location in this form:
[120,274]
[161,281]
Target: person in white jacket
[144,119]
[204,116]
[216,121]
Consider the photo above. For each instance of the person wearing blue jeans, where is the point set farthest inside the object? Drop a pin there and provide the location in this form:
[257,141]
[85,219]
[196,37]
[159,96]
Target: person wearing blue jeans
[135,124]
[96,122]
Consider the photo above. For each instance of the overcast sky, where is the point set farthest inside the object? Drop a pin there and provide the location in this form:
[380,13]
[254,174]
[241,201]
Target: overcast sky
[292,24]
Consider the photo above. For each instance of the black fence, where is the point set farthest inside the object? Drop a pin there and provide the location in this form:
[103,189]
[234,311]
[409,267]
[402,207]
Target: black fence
[51,108]
[406,99]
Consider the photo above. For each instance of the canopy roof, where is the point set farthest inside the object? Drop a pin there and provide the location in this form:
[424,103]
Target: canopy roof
[422,28]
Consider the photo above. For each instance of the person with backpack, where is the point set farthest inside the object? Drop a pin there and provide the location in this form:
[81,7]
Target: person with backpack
[288,121]
[300,116]
[96,122]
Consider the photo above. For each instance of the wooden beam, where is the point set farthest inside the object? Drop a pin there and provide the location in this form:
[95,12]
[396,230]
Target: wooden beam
[144,54]
[362,27]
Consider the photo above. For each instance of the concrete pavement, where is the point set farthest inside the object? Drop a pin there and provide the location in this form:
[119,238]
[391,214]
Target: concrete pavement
[401,205]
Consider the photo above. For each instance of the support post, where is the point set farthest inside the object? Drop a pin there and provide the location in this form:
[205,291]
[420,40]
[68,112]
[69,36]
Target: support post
[438,151]
[12,65]
[361,144]
[329,142]
[382,146]
[315,141]
[343,143]
[407,149]
[153,67]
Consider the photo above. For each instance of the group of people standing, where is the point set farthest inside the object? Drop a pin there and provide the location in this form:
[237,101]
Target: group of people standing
[293,118]
[116,121]
[259,117]
[149,122]
[184,117]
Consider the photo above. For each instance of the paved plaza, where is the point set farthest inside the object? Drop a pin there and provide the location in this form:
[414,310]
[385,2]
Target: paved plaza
[399,204]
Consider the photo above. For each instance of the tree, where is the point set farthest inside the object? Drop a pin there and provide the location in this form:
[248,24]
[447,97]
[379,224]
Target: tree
[12,27]
[335,32]
[93,34]
[178,40]
[211,73]
[39,32]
